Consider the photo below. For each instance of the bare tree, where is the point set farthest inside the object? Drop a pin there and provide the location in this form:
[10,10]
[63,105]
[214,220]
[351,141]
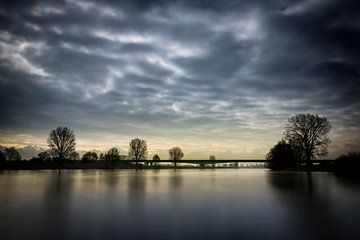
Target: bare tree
[2,156]
[213,159]
[111,156]
[89,157]
[62,143]
[348,165]
[74,156]
[156,158]
[44,156]
[176,154]
[308,133]
[12,154]
[137,150]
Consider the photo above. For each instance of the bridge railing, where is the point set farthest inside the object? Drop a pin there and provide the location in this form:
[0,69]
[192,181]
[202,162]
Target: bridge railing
[219,161]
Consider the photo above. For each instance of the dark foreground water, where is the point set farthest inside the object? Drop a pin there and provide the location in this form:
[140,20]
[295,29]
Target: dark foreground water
[187,204]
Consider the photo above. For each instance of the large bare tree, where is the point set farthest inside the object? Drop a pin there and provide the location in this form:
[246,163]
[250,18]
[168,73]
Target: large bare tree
[137,150]
[176,154]
[62,143]
[309,133]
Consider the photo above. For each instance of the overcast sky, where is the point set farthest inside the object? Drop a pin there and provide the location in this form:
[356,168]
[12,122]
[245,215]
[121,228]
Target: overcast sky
[217,78]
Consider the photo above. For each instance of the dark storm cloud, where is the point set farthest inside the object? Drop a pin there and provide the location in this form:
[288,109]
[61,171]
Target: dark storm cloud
[154,67]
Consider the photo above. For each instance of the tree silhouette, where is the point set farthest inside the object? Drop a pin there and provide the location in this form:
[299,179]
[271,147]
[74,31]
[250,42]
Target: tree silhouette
[213,158]
[176,154]
[89,157]
[12,154]
[62,143]
[282,155]
[137,150]
[348,164]
[74,156]
[111,156]
[44,156]
[309,133]
[156,158]
[2,156]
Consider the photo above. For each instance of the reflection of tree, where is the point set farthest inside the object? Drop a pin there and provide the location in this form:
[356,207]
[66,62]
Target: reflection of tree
[137,187]
[156,178]
[308,206]
[175,183]
[57,205]
[349,183]
[111,180]
[290,181]
[175,180]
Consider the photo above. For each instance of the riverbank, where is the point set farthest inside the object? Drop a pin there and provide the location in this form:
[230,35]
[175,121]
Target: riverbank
[29,165]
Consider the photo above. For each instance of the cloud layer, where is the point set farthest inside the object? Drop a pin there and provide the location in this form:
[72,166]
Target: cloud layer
[215,78]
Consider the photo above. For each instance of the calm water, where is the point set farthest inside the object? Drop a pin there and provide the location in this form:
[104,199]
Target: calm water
[187,204]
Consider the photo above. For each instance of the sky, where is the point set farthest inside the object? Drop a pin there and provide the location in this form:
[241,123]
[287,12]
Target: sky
[212,77]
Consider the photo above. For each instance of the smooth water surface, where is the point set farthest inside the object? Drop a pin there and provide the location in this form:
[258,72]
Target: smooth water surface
[186,204]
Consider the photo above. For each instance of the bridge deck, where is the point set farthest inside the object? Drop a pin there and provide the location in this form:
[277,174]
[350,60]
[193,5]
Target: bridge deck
[216,161]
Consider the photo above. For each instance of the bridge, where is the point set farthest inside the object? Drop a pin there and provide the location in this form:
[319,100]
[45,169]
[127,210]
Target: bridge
[214,162]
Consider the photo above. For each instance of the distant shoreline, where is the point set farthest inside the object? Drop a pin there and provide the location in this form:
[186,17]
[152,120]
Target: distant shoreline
[28,165]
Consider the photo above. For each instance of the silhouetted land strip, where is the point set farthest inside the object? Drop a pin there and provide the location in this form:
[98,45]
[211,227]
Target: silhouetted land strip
[305,139]
[317,165]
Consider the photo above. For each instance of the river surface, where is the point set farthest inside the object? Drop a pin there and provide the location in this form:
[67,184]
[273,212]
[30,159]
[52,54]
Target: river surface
[186,204]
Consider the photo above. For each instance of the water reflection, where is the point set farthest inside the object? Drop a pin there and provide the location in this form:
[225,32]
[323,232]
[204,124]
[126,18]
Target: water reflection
[137,188]
[175,181]
[306,210]
[57,201]
[161,204]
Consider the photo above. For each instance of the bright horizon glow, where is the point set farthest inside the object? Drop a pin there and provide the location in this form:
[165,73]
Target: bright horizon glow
[192,147]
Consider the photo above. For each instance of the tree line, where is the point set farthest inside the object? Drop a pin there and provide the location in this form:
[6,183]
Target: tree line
[10,154]
[305,138]
[61,143]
